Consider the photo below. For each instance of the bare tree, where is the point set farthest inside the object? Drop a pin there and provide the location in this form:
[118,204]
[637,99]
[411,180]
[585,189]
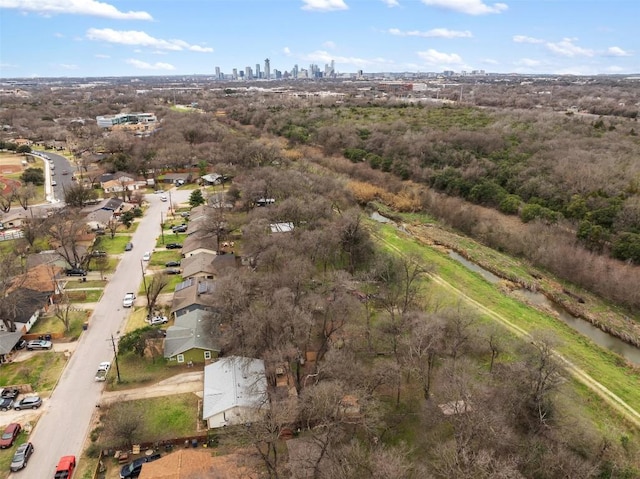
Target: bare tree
[6,198]
[24,194]
[154,287]
[67,232]
[11,278]
[62,308]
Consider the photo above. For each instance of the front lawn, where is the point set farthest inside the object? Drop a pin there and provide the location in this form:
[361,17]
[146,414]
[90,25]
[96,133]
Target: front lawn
[160,257]
[85,295]
[51,324]
[42,371]
[111,245]
[86,284]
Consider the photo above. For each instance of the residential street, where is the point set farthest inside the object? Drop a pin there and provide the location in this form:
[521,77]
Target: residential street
[65,422]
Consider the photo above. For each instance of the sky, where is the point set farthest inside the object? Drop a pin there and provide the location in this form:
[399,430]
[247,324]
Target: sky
[93,38]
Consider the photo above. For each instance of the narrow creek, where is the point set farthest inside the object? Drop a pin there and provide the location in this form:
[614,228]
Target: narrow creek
[602,339]
[599,337]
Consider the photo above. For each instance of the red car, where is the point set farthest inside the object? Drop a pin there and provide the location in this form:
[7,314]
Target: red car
[65,468]
[9,435]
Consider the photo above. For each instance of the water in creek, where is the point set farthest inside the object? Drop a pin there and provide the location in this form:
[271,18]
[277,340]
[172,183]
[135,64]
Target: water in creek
[602,339]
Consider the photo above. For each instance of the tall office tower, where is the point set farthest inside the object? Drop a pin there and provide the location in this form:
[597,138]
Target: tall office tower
[267,69]
[218,76]
[333,68]
[258,71]
[234,75]
[248,74]
[295,71]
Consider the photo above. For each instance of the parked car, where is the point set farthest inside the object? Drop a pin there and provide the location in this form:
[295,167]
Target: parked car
[21,344]
[39,344]
[29,402]
[66,466]
[6,404]
[21,456]
[128,247]
[173,246]
[98,254]
[172,264]
[179,229]
[53,183]
[9,435]
[163,198]
[127,301]
[65,172]
[155,320]
[76,272]
[133,468]
[146,256]
[185,214]
[10,393]
[172,271]
[103,369]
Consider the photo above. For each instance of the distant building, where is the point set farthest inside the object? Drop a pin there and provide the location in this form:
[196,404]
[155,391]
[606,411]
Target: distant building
[109,121]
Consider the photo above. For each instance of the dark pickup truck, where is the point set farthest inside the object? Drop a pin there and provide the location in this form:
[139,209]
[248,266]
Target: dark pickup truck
[134,468]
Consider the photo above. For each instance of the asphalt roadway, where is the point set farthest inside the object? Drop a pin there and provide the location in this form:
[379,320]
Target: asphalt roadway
[64,424]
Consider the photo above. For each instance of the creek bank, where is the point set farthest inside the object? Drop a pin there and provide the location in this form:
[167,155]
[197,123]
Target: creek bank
[615,324]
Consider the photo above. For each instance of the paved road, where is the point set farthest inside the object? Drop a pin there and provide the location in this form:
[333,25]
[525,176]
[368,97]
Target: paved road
[65,422]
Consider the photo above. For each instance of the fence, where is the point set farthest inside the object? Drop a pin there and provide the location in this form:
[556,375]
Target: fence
[11,235]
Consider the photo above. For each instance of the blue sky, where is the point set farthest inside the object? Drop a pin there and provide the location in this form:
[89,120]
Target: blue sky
[77,38]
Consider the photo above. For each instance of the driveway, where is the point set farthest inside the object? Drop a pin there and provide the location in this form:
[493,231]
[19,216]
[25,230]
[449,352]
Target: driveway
[66,416]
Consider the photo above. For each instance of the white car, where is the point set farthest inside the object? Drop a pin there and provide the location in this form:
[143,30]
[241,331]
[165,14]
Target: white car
[103,369]
[53,183]
[158,320]
[163,198]
[146,256]
[128,300]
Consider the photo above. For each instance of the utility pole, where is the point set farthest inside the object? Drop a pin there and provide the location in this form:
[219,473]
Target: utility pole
[162,227]
[144,279]
[115,355]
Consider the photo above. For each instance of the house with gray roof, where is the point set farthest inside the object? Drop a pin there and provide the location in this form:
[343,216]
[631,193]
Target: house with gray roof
[200,242]
[8,341]
[208,265]
[192,338]
[235,391]
[193,294]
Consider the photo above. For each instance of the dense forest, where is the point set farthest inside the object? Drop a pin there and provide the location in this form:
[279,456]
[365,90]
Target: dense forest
[406,380]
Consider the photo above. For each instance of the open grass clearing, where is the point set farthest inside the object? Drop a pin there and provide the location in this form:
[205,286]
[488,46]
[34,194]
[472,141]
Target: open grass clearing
[86,284]
[160,257]
[85,295]
[49,323]
[136,371]
[111,245]
[41,371]
[603,366]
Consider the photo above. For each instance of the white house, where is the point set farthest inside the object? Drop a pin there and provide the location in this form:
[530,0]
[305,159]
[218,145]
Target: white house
[235,391]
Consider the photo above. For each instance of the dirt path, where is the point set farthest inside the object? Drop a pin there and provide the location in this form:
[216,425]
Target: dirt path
[191,382]
[607,395]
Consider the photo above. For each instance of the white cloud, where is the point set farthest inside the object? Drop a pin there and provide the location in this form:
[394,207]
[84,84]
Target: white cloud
[391,3]
[150,66]
[617,52]
[329,44]
[286,51]
[566,48]
[138,38]
[102,55]
[527,62]
[74,7]
[525,39]
[322,56]
[615,69]
[58,35]
[470,7]
[324,5]
[434,57]
[68,66]
[435,32]
[490,61]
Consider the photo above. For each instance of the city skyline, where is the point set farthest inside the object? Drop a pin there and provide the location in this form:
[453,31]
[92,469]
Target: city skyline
[90,38]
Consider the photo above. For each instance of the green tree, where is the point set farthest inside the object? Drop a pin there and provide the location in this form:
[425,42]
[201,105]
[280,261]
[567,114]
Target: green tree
[127,218]
[23,149]
[196,198]
[33,175]
[627,247]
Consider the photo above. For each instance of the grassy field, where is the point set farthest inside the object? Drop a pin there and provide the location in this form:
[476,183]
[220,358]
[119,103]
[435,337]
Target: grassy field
[52,324]
[604,366]
[113,245]
[41,371]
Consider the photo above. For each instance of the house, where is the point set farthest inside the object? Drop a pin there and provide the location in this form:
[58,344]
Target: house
[192,463]
[122,184]
[177,178]
[27,306]
[192,338]
[118,177]
[41,278]
[200,242]
[208,265]
[211,179]
[281,227]
[193,294]
[235,389]
[8,341]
